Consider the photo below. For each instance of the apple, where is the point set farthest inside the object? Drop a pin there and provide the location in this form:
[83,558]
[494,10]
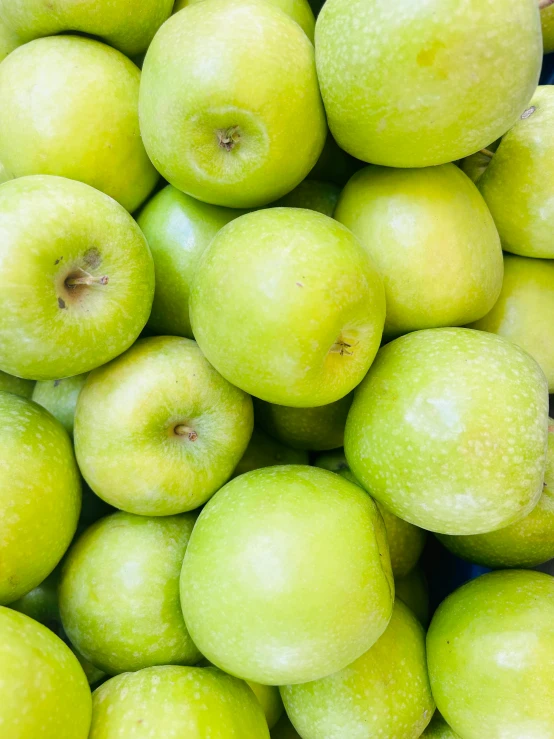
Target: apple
[270,700]
[8,40]
[76,282]
[385,692]
[413,590]
[158,430]
[40,495]
[439,729]
[284,729]
[43,692]
[308,300]
[527,543]
[172,701]
[69,108]
[16,385]
[317,428]
[313,195]
[426,82]
[334,164]
[4,174]
[60,398]
[449,430]
[264,451]
[287,575]
[124,24]
[547,22]
[433,241]
[230,110]
[178,228]
[490,650]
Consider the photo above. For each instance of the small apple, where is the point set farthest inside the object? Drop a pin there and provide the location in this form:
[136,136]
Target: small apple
[158,430]
[420,85]
[69,108]
[547,22]
[16,385]
[264,451]
[490,650]
[385,692]
[43,692]
[40,495]
[178,228]
[413,590]
[439,729]
[8,40]
[287,575]
[59,397]
[172,701]
[230,110]
[270,700]
[312,195]
[449,430]
[76,281]
[433,241]
[308,300]
[334,164]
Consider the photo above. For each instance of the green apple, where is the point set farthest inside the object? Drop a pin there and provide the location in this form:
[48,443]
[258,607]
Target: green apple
[385,692]
[60,398]
[178,228]
[283,729]
[230,110]
[413,590]
[517,185]
[527,543]
[16,385]
[318,428]
[168,701]
[523,312]
[490,651]
[547,22]
[334,164]
[433,240]
[308,300]
[298,10]
[420,84]
[8,40]
[449,430]
[158,430]
[313,195]
[40,495]
[287,575]
[119,593]
[69,108]
[264,451]
[439,729]
[4,174]
[43,692]
[270,700]
[77,278]
[476,164]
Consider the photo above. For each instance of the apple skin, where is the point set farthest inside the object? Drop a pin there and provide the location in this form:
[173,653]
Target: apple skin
[8,41]
[4,174]
[284,729]
[278,267]
[270,700]
[16,385]
[230,110]
[547,22]
[449,430]
[413,590]
[433,241]
[44,692]
[69,108]
[490,650]
[59,397]
[50,330]
[334,164]
[517,185]
[385,692]
[264,451]
[40,495]
[167,701]
[527,543]
[439,729]
[312,195]
[178,228]
[523,312]
[287,575]
[125,439]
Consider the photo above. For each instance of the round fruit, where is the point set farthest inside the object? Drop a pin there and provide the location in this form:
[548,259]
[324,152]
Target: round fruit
[413,590]
[263,451]
[312,195]
[16,385]
[270,700]
[59,397]
[439,729]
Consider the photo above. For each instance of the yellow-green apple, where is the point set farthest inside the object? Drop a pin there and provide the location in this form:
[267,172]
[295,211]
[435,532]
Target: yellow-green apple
[176,701]
[413,590]
[265,451]
[517,183]
[43,692]
[270,700]
[449,430]
[4,174]
[309,302]
[490,651]
[385,692]
[178,228]
[287,575]
[69,108]
[59,397]
[8,40]
[547,22]
[524,311]
[16,385]
[158,430]
[334,164]
[76,279]
[40,495]
[420,83]
[313,195]
[230,110]
[433,241]
[439,729]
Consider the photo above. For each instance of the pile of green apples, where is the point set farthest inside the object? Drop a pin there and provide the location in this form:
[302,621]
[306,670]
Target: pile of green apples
[276,301]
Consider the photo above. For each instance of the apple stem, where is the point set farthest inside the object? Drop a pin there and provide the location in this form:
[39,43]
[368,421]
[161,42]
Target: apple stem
[488,152]
[182,430]
[86,279]
[228,137]
[341,347]
[543,4]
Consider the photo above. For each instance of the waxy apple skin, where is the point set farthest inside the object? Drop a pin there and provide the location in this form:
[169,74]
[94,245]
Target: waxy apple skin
[87,93]
[270,700]
[44,692]
[54,231]
[230,110]
[40,495]
[59,397]
[265,451]
[547,22]
[309,302]
[449,430]
[16,385]
[287,575]
[413,590]
[490,649]
[439,729]
[312,195]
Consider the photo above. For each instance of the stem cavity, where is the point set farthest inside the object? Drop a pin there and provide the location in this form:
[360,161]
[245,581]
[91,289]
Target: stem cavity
[85,278]
[182,430]
[228,138]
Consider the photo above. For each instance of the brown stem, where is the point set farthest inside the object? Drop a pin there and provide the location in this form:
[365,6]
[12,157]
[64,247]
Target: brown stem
[228,137]
[182,430]
[488,152]
[86,279]
[543,4]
